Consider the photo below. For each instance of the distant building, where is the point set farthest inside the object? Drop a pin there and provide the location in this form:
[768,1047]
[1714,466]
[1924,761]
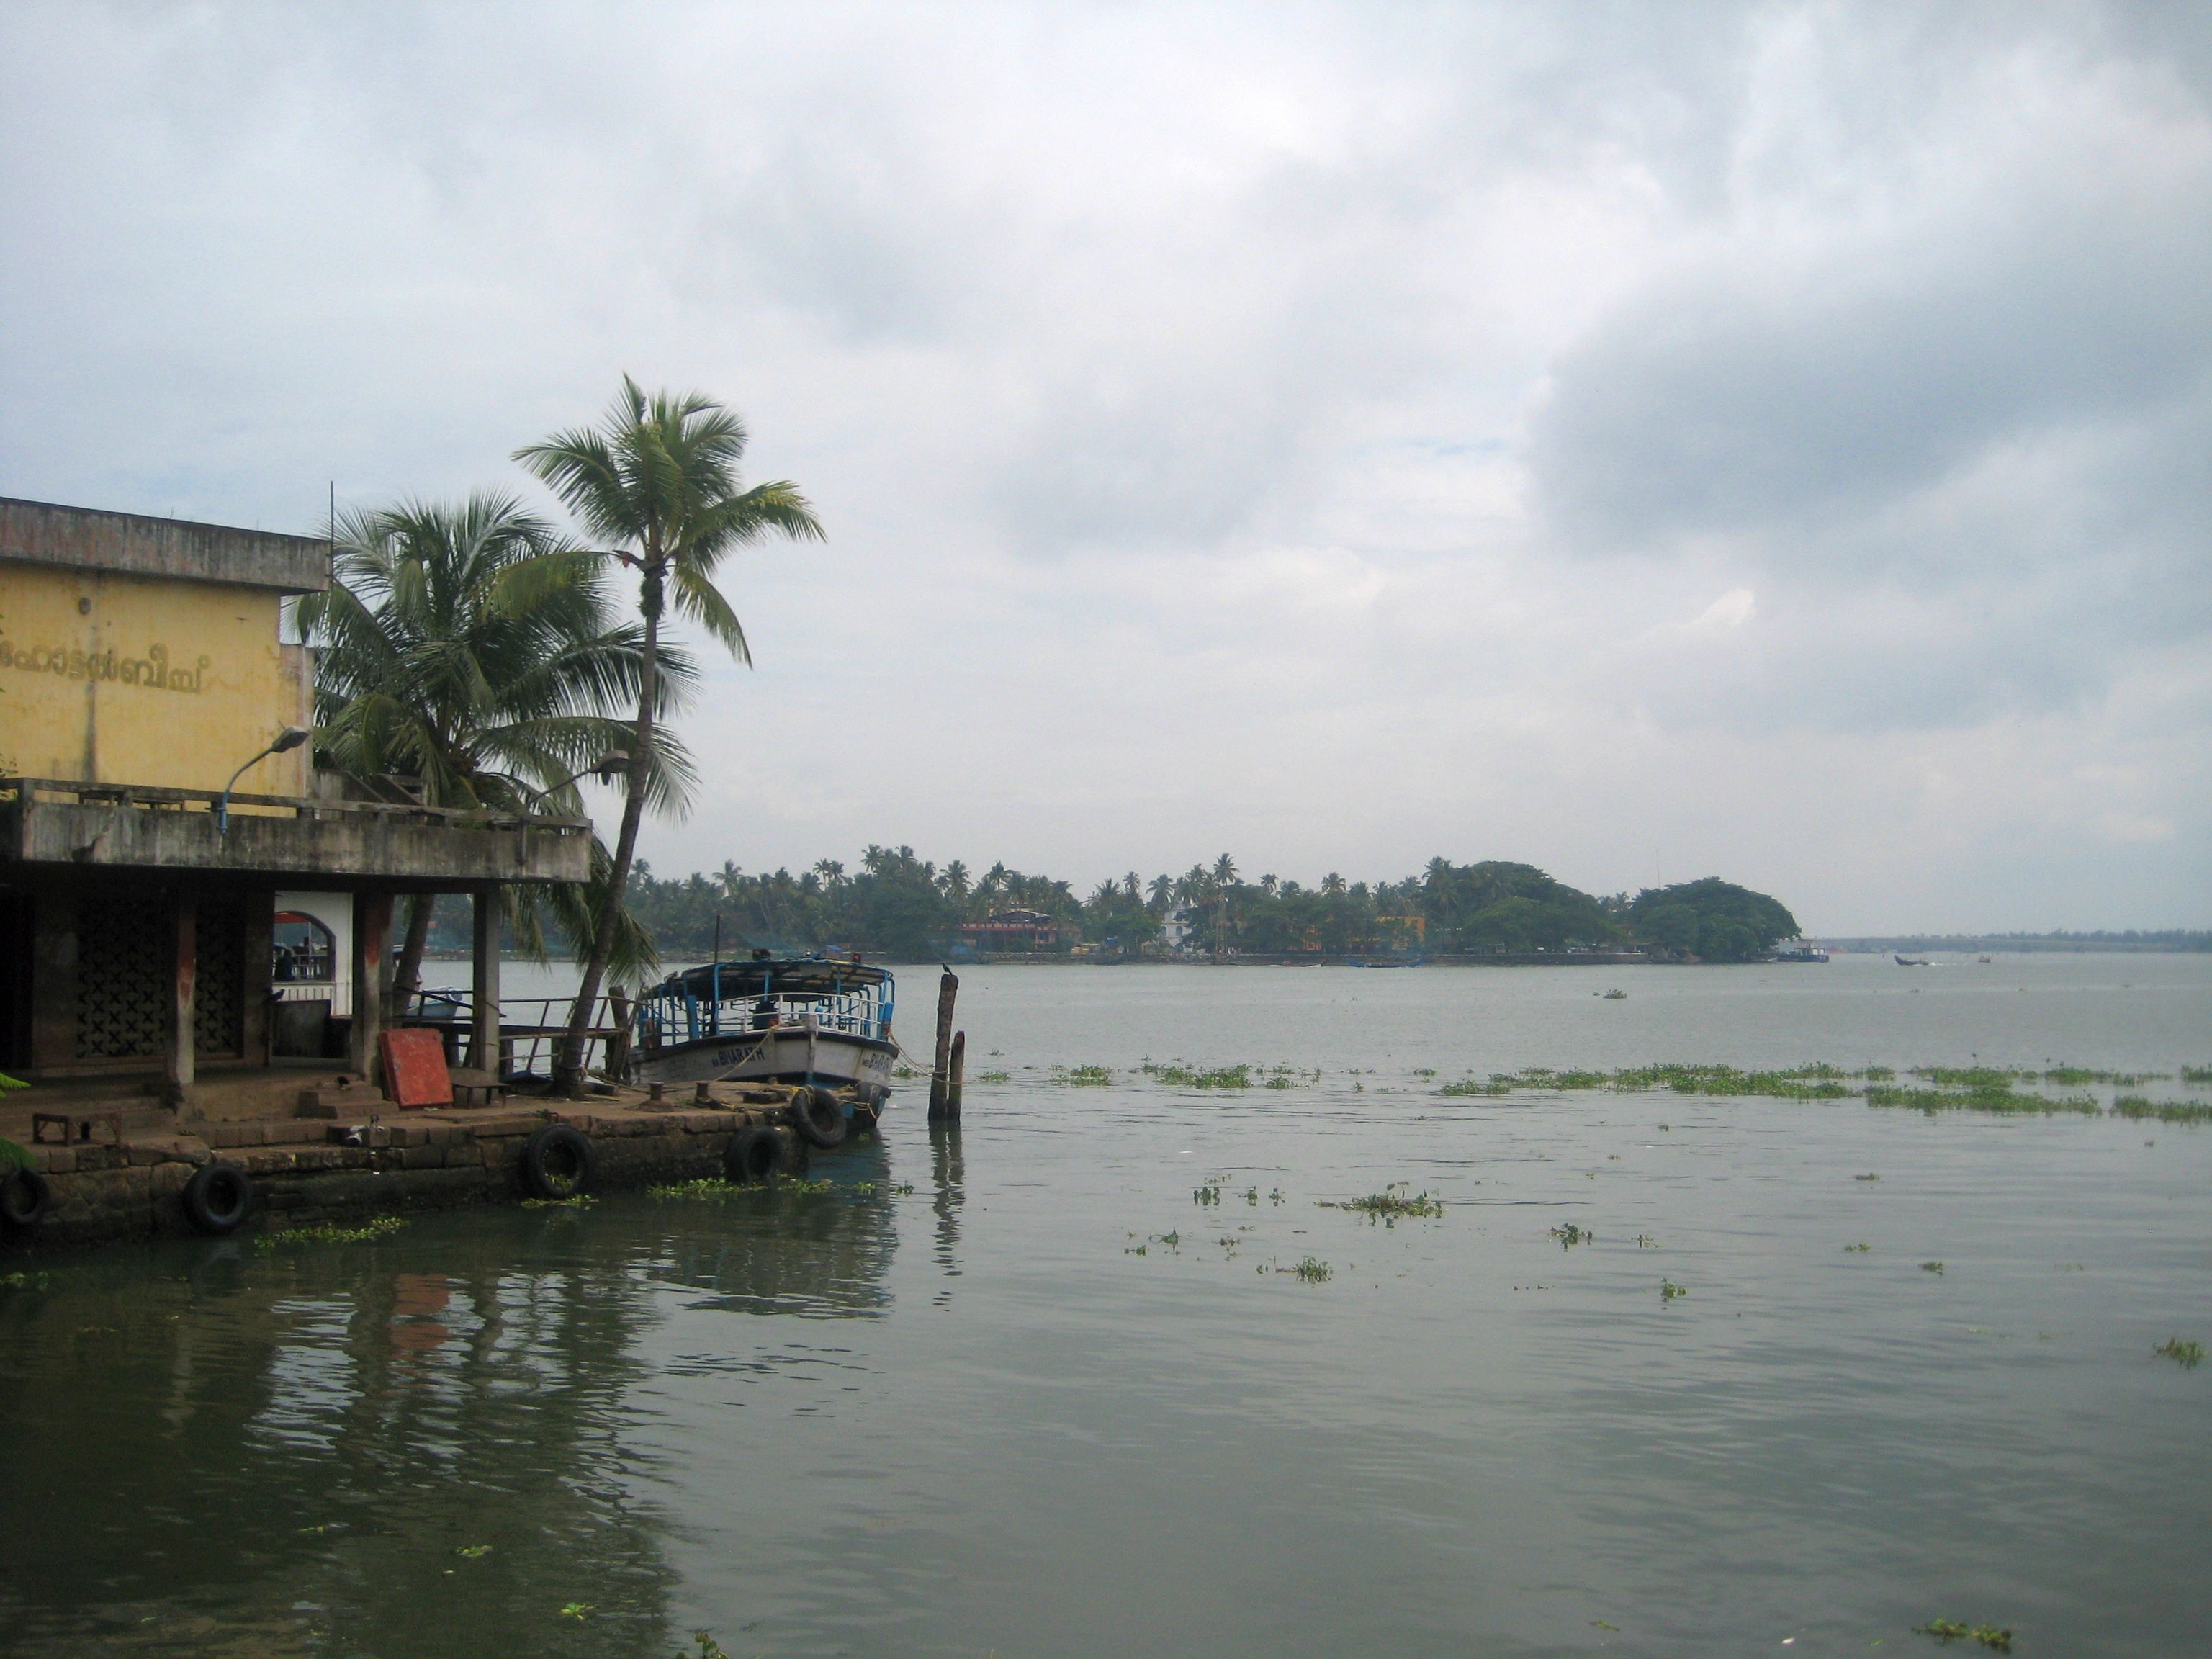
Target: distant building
[1176,927]
[1017,929]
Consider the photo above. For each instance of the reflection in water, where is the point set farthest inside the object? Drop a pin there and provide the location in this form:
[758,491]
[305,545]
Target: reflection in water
[950,1175]
[421,1446]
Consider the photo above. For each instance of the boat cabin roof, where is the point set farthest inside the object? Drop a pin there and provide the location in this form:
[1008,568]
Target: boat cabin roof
[794,977]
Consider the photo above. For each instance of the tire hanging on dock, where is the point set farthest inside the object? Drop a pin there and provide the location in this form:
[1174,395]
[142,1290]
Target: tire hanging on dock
[756,1156]
[25,1197]
[819,1117]
[218,1199]
[556,1163]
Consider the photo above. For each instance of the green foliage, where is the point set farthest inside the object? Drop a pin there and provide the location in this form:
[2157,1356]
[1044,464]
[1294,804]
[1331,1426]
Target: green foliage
[1502,908]
[910,909]
[1670,1291]
[1313,1271]
[329,1232]
[2187,1355]
[1081,1076]
[1710,918]
[2197,1074]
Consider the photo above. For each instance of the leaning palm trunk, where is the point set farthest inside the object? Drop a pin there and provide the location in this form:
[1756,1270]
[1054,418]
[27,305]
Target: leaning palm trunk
[569,1070]
[407,980]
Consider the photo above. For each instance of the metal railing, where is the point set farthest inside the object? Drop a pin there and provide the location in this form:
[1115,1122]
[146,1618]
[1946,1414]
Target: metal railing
[160,798]
[674,1016]
[530,1029]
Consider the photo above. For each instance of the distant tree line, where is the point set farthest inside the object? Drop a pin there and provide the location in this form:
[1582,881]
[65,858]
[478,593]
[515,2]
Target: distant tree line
[897,906]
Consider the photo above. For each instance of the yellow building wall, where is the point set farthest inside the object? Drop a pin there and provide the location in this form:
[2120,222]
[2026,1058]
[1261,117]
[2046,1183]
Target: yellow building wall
[112,678]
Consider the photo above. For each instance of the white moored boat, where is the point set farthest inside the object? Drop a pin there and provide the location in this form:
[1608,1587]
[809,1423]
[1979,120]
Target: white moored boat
[814,1020]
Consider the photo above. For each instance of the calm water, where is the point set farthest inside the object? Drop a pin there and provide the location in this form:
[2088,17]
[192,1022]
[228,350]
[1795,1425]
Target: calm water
[968,1419]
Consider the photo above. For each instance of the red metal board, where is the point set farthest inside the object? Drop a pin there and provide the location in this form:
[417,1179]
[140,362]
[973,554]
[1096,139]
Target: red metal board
[415,1074]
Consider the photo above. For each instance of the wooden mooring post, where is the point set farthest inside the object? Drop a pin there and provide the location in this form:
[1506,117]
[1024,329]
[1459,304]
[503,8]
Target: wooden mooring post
[941,1110]
[958,1066]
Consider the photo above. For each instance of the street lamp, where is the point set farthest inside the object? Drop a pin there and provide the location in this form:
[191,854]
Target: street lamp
[607,768]
[290,738]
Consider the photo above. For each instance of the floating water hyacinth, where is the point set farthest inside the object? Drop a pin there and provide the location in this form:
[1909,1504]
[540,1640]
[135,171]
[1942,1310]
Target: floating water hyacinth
[326,1232]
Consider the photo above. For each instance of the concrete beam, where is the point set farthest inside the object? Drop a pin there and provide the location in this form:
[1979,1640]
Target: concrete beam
[376,846]
[88,538]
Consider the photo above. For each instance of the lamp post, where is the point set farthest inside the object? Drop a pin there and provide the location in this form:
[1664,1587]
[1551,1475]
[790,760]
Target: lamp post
[290,738]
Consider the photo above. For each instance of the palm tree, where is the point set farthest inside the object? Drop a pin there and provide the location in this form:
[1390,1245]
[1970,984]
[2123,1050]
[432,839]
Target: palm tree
[658,482]
[1224,871]
[469,649]
[1163,891]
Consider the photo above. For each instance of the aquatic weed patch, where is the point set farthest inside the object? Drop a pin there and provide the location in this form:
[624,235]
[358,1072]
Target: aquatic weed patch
[1179,1076]
[329,1232]
[1982,1095]
[708,1190]
[1394,1203]
[1572,1235]
[1947,1631]
[2188,1355]
[1081,1077]
[991,1077]
[576,1201]
[2165,1111]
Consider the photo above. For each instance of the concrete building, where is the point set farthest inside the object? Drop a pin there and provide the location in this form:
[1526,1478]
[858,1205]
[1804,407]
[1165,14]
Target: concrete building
[157,793]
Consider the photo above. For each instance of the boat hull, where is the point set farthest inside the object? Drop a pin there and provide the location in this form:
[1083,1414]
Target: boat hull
[784,1054]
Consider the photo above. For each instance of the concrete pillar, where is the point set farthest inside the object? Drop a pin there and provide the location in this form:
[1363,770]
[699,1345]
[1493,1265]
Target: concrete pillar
[180,1068]
[258,924]
[484,1034]
[372,921]
[53,979]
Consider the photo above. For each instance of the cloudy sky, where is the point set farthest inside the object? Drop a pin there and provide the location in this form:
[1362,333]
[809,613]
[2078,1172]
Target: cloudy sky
[1773,441]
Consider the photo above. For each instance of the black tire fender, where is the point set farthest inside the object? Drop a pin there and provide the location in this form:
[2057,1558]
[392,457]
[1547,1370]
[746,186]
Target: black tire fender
[756,1156]
[818,1116]
[218,1199]
[557,1162]
[25,1197]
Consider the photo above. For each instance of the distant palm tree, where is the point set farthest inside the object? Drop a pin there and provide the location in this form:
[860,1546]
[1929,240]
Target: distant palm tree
[469,649]
[832,872]
[955,881]
[1332,883]
[1163,891]
[1132,884]
[1224,871]
[660,483]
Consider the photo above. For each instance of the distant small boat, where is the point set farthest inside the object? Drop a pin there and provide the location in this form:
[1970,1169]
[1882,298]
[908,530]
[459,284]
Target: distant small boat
[1912,962]
[1985,960]
[1798,950]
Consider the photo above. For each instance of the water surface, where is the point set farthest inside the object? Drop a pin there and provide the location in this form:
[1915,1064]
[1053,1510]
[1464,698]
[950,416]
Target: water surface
[949,1408]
